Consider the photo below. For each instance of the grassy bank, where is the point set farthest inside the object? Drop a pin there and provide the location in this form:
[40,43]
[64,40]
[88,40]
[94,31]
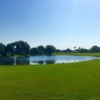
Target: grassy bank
[74,81]
[79,54]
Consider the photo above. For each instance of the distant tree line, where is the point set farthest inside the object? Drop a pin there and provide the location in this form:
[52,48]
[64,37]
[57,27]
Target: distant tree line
[93,49]
[23,48]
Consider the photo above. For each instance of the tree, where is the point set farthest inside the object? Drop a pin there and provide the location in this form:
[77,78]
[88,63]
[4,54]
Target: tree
[41,50]
[34,51]
[49,49]
[94,49]
[98,49]
[67,50]
[82,50]
[2,49]
[9,49]
[57,50]
[22,48]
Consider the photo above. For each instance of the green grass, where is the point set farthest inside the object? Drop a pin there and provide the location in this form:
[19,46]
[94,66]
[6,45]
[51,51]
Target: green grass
[73,81]
[79,54]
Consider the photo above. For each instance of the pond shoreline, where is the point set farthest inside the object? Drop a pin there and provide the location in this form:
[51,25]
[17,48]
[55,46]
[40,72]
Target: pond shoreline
[35,60]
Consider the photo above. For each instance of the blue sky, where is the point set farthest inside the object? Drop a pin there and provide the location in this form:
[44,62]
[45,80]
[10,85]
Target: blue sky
[62,23]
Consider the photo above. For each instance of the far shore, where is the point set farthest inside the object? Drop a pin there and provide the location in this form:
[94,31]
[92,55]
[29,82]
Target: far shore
[78,54]
[61,53]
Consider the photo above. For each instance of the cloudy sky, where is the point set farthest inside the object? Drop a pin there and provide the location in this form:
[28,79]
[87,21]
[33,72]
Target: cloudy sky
[62,23]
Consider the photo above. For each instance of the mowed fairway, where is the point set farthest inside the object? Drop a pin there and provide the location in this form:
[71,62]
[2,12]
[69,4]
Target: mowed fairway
[74,81]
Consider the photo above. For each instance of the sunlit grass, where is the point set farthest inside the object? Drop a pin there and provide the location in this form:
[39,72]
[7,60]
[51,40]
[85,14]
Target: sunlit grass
[74,81]
[78,54]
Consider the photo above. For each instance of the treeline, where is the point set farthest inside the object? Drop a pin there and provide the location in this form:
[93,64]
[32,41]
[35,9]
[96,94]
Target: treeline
[93,49]
[23,48]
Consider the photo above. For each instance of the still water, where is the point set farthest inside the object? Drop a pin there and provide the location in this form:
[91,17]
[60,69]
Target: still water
[34,60]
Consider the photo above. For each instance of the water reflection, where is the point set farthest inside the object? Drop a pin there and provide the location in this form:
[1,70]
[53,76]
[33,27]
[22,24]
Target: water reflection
[33,60]
[6,61]
[40,62]
[50,62]
[21,61]
[37,62]
[43,62]
[14,61]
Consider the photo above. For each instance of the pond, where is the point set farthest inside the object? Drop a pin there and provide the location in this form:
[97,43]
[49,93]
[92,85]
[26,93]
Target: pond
[35,60]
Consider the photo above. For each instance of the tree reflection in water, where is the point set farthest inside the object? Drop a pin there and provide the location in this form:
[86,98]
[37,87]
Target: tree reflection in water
[6,61]
[40,62]
[21,61]
[43,62]
[34,60]
[50,62]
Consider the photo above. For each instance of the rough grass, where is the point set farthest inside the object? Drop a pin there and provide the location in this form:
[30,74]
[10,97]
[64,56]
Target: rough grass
[74,81]
[79,54]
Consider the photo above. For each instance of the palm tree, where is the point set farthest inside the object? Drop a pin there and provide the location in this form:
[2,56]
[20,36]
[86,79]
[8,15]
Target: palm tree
[75,50]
